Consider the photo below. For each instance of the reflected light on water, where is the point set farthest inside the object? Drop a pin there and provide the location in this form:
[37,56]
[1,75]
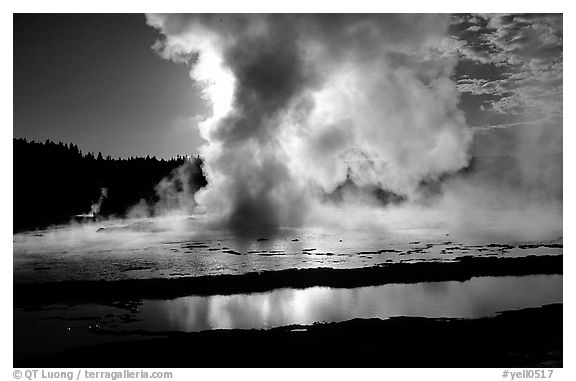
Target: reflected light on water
[481,296]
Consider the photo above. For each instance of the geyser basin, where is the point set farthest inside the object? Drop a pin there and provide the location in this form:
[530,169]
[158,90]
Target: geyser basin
[171,248]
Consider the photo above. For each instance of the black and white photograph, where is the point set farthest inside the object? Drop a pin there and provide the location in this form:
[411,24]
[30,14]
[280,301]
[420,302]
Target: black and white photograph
[288,190]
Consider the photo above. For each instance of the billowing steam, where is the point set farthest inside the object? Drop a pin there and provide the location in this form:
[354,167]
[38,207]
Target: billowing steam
[303,104]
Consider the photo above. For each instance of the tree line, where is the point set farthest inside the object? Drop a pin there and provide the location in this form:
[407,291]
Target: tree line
[55,181]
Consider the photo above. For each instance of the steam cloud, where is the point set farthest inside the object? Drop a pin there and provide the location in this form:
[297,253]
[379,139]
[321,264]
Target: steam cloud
[304,104]
[174,192]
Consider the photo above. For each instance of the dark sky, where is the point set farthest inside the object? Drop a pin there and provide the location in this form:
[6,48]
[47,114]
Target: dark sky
[94,80]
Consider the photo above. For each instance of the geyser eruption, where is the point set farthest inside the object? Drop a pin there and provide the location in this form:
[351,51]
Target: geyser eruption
[95,207]
[304,103]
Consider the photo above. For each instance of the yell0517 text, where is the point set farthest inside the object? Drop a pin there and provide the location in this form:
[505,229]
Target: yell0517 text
[528,373]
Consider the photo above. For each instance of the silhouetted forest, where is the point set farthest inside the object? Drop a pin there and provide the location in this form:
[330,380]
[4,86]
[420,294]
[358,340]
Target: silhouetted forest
[55,181]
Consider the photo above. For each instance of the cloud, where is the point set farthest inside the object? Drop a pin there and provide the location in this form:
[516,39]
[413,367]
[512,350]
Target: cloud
[527,49]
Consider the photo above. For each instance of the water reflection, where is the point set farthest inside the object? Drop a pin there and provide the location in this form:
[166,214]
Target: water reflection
[481,296]
[59,327]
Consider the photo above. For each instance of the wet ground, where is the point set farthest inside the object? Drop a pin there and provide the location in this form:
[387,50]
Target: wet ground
[139,250]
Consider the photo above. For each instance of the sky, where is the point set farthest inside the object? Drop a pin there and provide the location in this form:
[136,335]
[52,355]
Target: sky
[511,65]
[510,76]
[96,81]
